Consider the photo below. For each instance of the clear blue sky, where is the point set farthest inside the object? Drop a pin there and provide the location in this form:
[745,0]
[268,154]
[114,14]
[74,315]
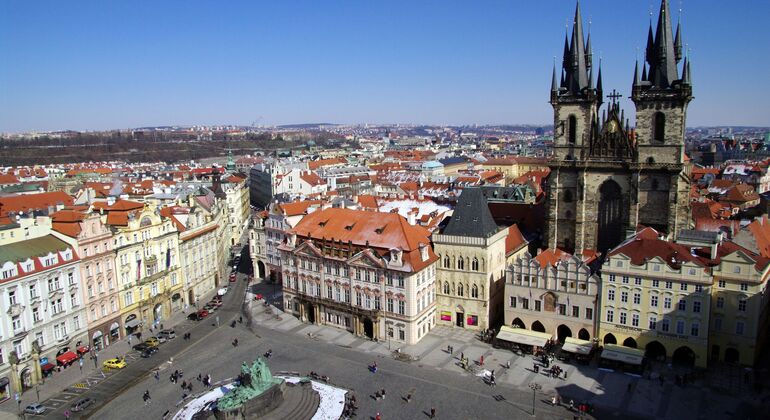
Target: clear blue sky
[118,64]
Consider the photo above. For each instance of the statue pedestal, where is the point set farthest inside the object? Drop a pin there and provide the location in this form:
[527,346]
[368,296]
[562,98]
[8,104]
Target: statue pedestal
[255,407]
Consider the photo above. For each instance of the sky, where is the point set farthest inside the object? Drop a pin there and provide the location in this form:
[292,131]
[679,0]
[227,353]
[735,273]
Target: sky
[93,65]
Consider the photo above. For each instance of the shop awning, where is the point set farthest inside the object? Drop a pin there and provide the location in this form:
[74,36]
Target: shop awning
[623,354]
[4,381]
[132,324]
[66,357]
[577,346]
[48,366]
[522,336]
[83,349]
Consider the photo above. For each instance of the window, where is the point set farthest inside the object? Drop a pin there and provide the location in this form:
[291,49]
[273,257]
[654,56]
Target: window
[656,283]
[76,322]
[53,284]
[401,307]
[624,297]
[576,311]
[513,301]
[460,264]
[460,289]
[665,325]
[562,309]
[19,347]
[525,303]
[654,301]
[625,279]
[612,277]
[742,305]
[637,298]
[400,281]
[659,127]
[358,299]
[401,334]
[698,288]
[32,291]
[40,339]
[571,129]
[696,306]
[635,320]
[638,281]
[56,306]
[718,324]
[653,322]
[538,305]
[669,285]
[474,291]
[16,322]
[446,261]
[35,314]
[744,287]
[682,306]
[390,304]
[73,300]
[589,313]
[475,264]
[739,327]
[128,299]
[11,297]
[680,327]
[683,286]
[656,267]
[720,302]
[737,269]
[446,287]
[694,329]
[721,284]
[329,292]
[611,294]
[623,318]
[610,315]
[667,303]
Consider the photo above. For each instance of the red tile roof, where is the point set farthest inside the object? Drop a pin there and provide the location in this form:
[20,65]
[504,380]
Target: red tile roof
[40,201]
[315,164]
[514,241]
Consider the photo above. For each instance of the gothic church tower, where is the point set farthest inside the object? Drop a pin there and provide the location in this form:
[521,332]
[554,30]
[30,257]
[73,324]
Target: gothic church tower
[606,178]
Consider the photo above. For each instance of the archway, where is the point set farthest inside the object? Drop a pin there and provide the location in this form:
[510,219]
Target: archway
[610,339]
[115,331]
[629,342]
[98,343]
[583,334]
[260,269]
[562,332]
[368,328]
[654,350]
[157,313]
[732,355]
[610,221]
[518,323]
[310,313]
[683,356]
[176,301]
[26,379]
[537,326]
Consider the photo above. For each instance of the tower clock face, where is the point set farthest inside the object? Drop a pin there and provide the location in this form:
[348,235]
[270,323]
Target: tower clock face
[612,126]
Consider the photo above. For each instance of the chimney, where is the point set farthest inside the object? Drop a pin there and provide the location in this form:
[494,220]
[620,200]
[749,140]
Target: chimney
[411,218]
[110,200]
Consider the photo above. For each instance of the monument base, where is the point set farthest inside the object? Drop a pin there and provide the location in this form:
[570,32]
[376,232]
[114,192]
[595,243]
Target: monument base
[256,407]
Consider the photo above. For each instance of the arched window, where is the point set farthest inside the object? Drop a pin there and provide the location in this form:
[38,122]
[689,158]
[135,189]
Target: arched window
[446,261]
[475,264]
[567,196]
[571,129]
[460,263]
[460,289]
[474,291]
[659,127]
[446,287]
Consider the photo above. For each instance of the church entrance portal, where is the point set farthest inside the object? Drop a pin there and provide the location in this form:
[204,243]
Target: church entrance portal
[368,328]
[610,230]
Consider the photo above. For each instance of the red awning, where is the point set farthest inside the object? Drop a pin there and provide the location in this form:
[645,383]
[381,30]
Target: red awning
[83,349]
[48,366]
[66,358]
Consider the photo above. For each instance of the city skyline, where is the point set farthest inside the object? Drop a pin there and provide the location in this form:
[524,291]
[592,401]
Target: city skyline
[429,63]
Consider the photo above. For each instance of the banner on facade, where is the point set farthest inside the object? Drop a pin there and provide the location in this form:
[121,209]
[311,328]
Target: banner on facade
[446,316]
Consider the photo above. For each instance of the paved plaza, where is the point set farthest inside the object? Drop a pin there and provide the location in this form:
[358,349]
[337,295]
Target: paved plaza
[433,376]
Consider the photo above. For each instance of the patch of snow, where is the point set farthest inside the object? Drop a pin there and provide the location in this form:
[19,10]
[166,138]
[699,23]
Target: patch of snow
[188,411]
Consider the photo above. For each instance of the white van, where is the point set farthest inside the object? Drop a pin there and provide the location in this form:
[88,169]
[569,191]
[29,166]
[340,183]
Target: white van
[222,291]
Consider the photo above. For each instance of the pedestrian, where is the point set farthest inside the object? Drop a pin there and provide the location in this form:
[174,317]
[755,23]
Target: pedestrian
[157,376]
[408,397]
[449,349]
[508,364]
[553,400]
[66,414]
[377,417]
[571,404]
[240,319]
[383,393]
[184,385]
[462,355]
[199,377]
[537,368]
[481,360]
[432,412]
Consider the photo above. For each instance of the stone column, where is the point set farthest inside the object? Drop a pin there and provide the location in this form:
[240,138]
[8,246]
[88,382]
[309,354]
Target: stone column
[15,378]
[37,375]
[318,315]
[302,311]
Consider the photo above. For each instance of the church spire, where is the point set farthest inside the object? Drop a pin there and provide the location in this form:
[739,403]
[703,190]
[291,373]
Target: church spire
[554,86]
[575,59]
[678,41]
[663,71]
[599,92]
[637,81]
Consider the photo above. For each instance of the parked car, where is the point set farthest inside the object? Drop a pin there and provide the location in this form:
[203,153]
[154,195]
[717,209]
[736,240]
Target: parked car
[34,408]
[232,277]
[203,313]
[114,363]
[148,352]
[141,347]
[194,317]
[221,291]
[167,334]
[152,342]
[215,302]
[81,404]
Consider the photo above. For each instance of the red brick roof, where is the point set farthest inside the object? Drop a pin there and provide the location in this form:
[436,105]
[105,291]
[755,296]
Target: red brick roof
[40,201]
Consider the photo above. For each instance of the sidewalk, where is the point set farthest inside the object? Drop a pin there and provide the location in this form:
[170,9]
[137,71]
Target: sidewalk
[88,373]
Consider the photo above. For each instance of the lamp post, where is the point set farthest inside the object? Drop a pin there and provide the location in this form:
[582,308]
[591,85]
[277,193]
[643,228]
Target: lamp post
[37,391]
[534,387]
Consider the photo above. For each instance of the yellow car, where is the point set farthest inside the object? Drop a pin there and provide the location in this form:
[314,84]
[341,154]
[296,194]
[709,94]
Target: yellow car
[115,363]
[152,342]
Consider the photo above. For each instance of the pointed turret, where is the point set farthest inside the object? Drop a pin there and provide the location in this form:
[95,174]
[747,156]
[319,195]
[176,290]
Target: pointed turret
[590,78]
[554,86]
[637,81]
[644,72]
[686,72]
[678,42]
[649,52]
[589,54]
[663,71]
[599,92]
[565,60]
